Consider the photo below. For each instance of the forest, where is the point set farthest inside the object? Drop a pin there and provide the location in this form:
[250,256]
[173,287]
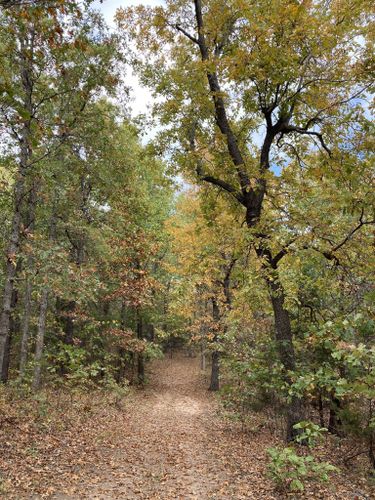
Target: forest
[187,283]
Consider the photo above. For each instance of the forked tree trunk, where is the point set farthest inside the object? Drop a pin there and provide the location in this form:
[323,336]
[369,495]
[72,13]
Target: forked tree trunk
[251,197]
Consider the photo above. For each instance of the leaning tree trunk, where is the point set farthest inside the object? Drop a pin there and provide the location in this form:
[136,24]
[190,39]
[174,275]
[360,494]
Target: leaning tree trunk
[39,345]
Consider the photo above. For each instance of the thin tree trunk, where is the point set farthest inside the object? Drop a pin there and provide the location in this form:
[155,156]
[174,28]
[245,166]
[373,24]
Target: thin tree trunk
[321,410]
[26,51]
[11,265]
[13,328]
[371,444]
[140,357]
[215,357]
[39,344]
[40,339]
[203,359]
[120,371]
[25,328]
[29,224]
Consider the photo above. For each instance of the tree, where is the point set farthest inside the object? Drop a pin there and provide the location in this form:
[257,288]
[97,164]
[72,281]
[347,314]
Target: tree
[206,243]
[48,68]
[238,67]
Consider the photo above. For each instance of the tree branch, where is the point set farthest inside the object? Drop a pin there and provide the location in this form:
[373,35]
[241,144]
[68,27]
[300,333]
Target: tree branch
[186,33]
[303,131]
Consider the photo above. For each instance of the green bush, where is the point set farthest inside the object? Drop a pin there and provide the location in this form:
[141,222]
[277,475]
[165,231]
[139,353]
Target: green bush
[309,433]
[289,470]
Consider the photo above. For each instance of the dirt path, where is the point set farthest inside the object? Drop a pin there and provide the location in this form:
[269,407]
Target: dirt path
[173,445]
[168,441]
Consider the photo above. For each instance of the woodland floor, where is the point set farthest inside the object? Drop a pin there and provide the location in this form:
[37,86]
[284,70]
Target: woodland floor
[168,441]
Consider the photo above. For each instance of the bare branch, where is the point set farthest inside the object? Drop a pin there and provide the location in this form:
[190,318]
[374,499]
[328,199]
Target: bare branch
[184,32]
[303,131]
[353,231]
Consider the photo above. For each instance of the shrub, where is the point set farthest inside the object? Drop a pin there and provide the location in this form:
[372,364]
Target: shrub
[290,471]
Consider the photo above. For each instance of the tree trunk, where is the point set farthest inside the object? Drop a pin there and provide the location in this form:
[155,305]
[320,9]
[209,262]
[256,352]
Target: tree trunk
[11,264]
[334,422]
[203,358]
[285,349]
[251,197]
[215,365]
[30,225]
[24,139]
[140,357]
[215,372]
[120,371]
[25,328]
[40,339]
[321,410]
[13,328]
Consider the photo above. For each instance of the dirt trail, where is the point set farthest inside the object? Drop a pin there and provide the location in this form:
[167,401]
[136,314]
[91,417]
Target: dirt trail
[169,441]
[173,445]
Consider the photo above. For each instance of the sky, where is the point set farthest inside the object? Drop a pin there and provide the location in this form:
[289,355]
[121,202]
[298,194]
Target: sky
[109,7]
[140,97]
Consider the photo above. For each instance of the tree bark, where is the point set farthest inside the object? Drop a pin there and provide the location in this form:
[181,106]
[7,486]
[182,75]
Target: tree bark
[251,197]
[334,422]
[25,328]
[30,225]
[24,139]
[12,251]
[40,339]
[140,357]
[215,357]
[285,349]
[13,328]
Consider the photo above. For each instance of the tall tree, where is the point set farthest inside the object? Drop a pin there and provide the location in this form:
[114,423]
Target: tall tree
[230,72]
[52,63]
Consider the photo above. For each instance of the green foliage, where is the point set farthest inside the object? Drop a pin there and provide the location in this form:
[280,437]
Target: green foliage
[290,471]
[310,433]
[153,351]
